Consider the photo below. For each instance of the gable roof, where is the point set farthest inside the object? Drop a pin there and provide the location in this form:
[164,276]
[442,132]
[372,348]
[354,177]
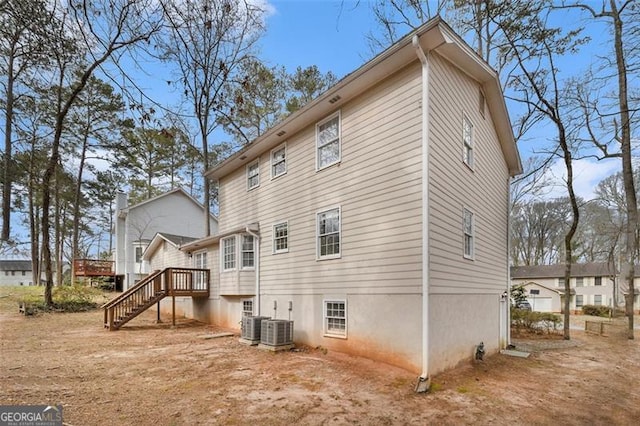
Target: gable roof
[533,283]
[160,237]
[594,269]
[434,35]
[178,190]
[15,265]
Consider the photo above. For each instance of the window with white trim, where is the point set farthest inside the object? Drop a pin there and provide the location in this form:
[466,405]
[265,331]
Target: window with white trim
[328,142]
[247,307]
[598,281]
[467,141]
[199,262]
[468,230]
[248,252]
[328,230]
[579,301]
[281,237]
[253,175]
[229,253]
[597,299]
[279,161]
[335,318]
[139,254]
[580,282]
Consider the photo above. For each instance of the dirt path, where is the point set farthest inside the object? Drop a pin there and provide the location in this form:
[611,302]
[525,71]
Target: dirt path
[150,374]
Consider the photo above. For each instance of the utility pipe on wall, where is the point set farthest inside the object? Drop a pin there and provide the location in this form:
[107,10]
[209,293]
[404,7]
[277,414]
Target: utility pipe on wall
[424,379]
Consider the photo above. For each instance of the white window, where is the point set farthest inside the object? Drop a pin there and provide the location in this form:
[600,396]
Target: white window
[328,142]
[328,230]
[468,226]
[248,252]
[279,161]
[335,318]
[199,262]
[247,307]
[560,282]
[467,141]
[579,282]
[281,237]
[138,255]
[253,175]
[579,300]
[597,299]
[229,253]
[598,281]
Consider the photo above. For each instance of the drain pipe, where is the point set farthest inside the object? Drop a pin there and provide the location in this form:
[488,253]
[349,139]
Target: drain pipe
[256,238]
[507,308]
[424,381]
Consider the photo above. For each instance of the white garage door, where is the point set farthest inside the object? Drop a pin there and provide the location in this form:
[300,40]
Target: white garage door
[540,304]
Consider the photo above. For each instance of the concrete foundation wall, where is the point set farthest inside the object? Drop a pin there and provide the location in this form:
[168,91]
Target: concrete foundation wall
[458,324]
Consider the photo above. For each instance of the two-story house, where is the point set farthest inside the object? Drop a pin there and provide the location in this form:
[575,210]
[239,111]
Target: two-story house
[375,217]
[174,212]
[591,284]
[16,272]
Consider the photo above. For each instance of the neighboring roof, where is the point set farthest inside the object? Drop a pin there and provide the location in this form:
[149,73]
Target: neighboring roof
[178,190]
[595,269]
[212,239]
[530,283]
[156,241]
[433,35]
[15,265]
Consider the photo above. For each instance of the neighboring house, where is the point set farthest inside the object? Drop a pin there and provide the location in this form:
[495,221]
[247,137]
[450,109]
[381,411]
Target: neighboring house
[16,272]
[624,290]
[591,284]
[174,211]
[376,216]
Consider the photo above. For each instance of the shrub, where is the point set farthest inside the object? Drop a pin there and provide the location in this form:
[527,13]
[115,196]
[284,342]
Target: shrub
[596,311]
[66,298]
[534,322]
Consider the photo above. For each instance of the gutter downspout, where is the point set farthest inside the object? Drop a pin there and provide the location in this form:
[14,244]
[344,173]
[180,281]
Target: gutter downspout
[424,381]
[256,237]
[508,298]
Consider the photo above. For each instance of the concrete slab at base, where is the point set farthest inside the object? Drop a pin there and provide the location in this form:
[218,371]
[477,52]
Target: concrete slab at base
[518,354]
[248,342]
[275,348]
[215,336]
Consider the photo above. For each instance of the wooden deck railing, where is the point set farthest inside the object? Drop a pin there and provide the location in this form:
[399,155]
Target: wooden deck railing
[153,288]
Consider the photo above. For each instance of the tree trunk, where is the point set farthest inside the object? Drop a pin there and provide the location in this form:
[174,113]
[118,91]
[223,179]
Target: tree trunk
[77,198]
[627,168]
[575,218]
[8,147]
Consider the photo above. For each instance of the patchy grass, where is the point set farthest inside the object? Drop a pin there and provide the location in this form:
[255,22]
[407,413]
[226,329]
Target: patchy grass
[66,298]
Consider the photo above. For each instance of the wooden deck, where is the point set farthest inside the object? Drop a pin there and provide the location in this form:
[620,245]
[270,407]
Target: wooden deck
[93,268]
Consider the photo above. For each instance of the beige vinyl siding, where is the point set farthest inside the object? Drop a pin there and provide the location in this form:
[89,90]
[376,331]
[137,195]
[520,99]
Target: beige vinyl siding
[454,186]
[377,186]
[168,256]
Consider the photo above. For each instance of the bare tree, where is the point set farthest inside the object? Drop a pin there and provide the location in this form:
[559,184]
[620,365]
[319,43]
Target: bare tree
[533,47]
[208,40]
[102,30]
[22,48]
[624,19]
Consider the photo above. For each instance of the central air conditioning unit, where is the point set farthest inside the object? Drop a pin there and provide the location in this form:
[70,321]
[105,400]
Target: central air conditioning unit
[251,329]
[276,333]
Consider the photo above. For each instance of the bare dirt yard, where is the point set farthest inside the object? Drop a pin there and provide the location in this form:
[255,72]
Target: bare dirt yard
[151,374]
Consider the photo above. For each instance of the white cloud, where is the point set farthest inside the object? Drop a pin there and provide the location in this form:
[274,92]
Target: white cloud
[587,173]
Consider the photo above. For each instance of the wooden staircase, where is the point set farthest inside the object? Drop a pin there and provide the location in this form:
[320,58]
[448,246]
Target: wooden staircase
[170,282]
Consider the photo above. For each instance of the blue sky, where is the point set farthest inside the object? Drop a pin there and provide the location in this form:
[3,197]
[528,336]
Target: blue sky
[314,32]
